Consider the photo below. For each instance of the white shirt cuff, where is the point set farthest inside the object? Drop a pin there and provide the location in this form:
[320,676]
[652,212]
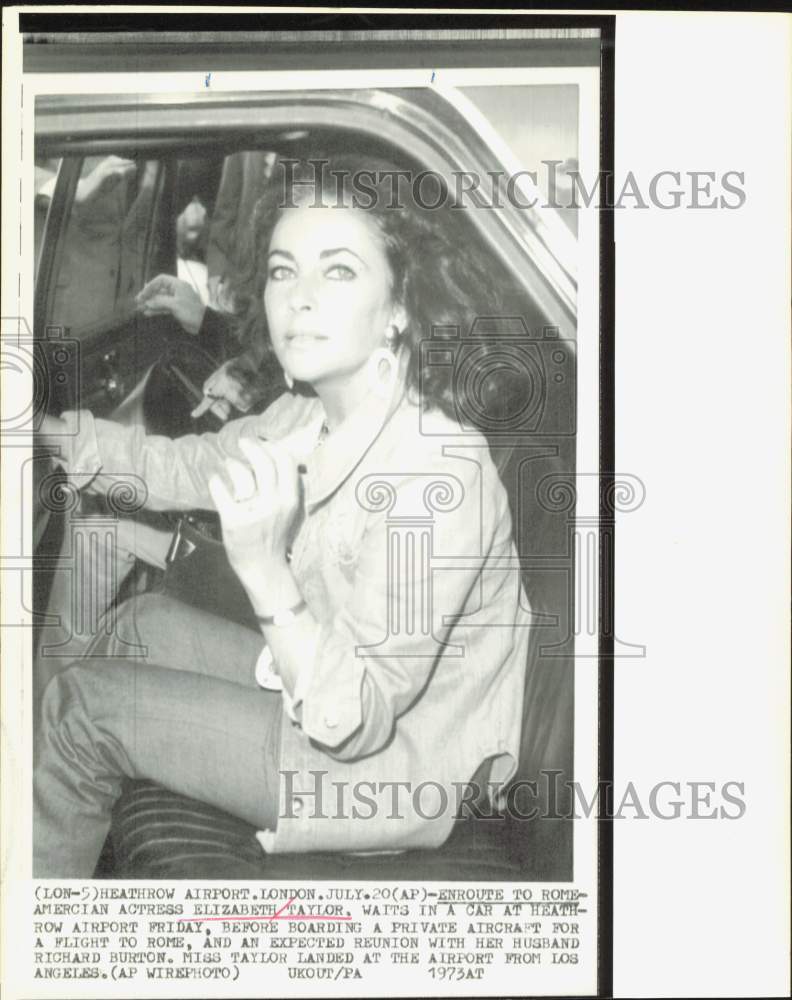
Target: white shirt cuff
[268,677]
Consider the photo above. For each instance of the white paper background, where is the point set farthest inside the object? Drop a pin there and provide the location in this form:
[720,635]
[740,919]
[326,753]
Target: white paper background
[702,415]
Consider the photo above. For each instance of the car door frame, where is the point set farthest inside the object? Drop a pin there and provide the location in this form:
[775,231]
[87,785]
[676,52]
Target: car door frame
[421,122]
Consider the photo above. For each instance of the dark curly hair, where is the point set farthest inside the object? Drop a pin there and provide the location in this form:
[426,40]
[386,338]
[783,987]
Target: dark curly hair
[440,274]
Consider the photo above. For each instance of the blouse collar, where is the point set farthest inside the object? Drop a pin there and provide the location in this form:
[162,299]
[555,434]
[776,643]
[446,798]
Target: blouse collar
[329,465]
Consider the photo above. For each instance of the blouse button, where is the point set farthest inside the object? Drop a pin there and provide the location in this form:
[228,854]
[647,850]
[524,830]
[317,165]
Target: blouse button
[289,554]
[330,721]
[297,806]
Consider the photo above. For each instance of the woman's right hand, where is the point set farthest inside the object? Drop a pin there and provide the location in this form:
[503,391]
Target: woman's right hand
[166,295]
[258,503]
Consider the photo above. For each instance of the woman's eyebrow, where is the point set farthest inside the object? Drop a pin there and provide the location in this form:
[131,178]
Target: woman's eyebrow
[330,252]
[334,250]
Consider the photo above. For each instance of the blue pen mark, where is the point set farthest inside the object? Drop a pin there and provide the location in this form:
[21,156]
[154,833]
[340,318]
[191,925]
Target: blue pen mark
[433,76]
[208,78]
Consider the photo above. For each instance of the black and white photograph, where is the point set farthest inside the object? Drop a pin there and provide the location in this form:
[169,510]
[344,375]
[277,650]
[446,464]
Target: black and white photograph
[325,564]
[312,358]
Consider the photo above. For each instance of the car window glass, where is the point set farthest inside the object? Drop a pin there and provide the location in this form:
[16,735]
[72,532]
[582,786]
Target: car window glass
[542,134]
[101,259]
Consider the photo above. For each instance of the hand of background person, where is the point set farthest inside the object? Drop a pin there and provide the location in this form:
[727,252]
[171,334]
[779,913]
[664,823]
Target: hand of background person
[222,391]
[166,295]
[105,175]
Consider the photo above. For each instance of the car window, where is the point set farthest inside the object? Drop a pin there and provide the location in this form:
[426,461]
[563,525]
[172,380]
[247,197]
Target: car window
[105,242]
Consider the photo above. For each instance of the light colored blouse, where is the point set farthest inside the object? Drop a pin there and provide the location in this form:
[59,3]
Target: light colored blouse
[404,555]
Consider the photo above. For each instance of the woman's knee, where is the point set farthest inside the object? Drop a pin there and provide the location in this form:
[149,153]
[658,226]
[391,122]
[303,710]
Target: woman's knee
[87,687]
[83,738]
[71,702]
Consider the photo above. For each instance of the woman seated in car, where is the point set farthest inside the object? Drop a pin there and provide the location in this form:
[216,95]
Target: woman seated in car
[372,536]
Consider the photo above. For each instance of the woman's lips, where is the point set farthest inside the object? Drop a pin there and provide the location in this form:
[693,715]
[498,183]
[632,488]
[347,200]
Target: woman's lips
[300,339]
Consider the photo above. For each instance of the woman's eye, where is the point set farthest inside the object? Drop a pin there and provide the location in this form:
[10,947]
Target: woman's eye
[279,272]
[340,272]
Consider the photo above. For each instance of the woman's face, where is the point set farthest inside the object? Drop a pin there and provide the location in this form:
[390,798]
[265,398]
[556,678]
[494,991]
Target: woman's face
[328,293]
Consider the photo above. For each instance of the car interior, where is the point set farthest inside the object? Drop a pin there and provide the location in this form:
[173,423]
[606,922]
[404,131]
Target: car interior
[89,267]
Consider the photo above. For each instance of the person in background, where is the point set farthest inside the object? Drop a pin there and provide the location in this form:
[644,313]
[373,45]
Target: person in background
[191,227]
[103,247]
[244,179]
[242,382]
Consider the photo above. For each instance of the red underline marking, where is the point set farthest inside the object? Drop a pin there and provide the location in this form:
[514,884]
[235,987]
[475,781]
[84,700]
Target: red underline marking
[266,916]
[284,907]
